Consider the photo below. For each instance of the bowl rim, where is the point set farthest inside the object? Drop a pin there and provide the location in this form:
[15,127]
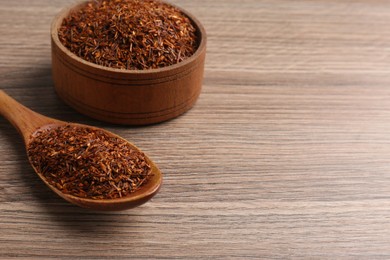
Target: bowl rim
[201,32]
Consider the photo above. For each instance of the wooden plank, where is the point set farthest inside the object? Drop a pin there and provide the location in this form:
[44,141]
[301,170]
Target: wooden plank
[285,155]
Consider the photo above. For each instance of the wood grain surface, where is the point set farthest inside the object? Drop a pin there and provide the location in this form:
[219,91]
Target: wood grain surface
[286,154]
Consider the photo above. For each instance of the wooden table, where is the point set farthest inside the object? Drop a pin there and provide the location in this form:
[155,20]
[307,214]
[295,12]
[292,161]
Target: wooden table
[285,155]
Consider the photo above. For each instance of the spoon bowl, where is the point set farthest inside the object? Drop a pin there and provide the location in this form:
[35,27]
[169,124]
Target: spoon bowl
[29,123]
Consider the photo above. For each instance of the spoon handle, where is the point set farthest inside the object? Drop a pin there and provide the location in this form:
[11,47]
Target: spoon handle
[23,119]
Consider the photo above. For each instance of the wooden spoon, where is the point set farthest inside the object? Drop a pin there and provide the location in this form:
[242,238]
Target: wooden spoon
[28,122]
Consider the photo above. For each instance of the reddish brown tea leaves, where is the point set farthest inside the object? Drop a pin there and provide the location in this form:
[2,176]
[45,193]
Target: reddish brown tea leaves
[129,34]
[88,163]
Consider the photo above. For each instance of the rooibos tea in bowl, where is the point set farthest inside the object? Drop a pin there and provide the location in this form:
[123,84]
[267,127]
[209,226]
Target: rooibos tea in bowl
[128,61]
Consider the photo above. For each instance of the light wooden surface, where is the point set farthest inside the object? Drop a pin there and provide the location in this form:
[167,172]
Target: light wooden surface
[285,155]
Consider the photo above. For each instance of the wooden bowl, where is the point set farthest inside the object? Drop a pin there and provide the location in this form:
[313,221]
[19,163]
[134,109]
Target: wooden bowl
[129,97]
